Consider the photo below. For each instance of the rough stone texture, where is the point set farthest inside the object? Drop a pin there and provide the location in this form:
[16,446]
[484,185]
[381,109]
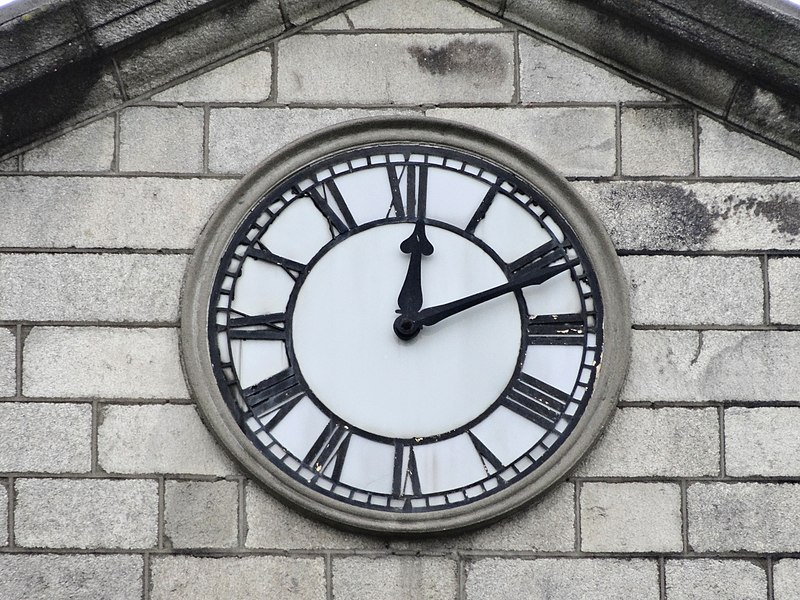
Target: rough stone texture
[86,513]
[657,141]
[247,79]
[654,215]
[548,74]
[45,438]
[411,14]
[8,365]
[575,141]
[772,115]
[718,579]
[156,139]
[82,212]
[541,579]
[727,153]
[10,165]
[747,366]
[248,578]
[90,287]
[158,439]
[76,577]
[730,517]
[201,514]
[90,148]
[703,290]
[784,280]
[762,441]
[666,442]
[786,578]
[382,68]
[3,522]
[394,578]
[104,362]
[631,517]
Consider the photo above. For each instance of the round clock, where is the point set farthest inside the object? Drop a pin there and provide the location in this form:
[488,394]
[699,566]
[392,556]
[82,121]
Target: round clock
[405,325]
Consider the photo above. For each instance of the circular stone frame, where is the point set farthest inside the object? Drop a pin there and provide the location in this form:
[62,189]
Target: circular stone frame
[202,270]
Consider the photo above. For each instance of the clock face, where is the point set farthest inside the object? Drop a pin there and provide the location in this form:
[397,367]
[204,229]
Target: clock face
[399,330]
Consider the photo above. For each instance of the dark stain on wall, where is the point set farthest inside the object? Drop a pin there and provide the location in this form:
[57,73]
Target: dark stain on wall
[483,59]
[782,210]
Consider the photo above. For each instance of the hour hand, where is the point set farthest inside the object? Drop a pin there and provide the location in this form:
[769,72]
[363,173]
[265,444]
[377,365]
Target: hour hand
[416,245]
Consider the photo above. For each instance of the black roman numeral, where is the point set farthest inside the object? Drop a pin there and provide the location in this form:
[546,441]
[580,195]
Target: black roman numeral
[279,394]
[483,207]
[331,445]
[414,203]
[257,327]
[323,203]
[405,472]
[539,258]
[260,252]
[557,330]
[487,456]
[536,401]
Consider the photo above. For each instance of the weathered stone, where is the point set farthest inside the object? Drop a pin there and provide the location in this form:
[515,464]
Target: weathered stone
[774,116]
[102,362]
[576,141]
[76,577]
[85,212]
[89,148]
[411,14]
[718,579]
[666,442]
[90,287]
[8,363]
[247,578]
[86,513]
[158,439]
[3,523]
[10,165]
[394,578]
[786,578]
[201,514]
[45,438]
[702,290]
[156,139]
[762,441]
[378,68]
[631,517]
[657,141]
[586,578]
[784,280]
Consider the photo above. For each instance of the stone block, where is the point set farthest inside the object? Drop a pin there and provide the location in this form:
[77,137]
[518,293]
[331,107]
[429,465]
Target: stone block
[10,165]
[664,442]
[157,139]
[394,578]
[86,513]
[695,290]
[104,362]
[631,517]
[762,441]
[90,287]
[85,212]
[379,68]
[163,438]
[786,579]
[728,153]
[411,14]
[540,579]
[784,281]
[77,577]
[3,521]
[8,363]
[45,438]
[733,517]
[578,142]
[716,366]
[201,514]
[657,141]
[247,79]
[549,74]
[718,579]
[246,578]
[88,148]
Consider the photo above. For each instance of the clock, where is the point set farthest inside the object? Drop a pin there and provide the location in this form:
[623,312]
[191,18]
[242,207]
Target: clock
[405,326]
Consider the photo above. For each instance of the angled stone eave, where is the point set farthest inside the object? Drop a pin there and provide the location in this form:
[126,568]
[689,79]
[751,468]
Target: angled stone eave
[65,61]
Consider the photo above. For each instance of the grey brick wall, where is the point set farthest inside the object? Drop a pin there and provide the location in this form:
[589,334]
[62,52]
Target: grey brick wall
[112,488]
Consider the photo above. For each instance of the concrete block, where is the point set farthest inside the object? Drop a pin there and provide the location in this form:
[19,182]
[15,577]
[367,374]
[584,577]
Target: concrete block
[45,438]
[549,74]
[85,212]
[727,153]
[3,521]
[90,287]
[786,578]
[579,142]
[631,517]
[540,579]
[77,577]
[157,139]
[10,165]
[665,442]
[719,579]
[246,578]
[89,148]
[701,290]
[103,362]
[247,79]
[411,14]
[201,514]
[717,366]
[8,363]
[394,578]
[86,513]
[657,141]
[162,438]
[379,68]
[762,441]
[784,280]
[733,517]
